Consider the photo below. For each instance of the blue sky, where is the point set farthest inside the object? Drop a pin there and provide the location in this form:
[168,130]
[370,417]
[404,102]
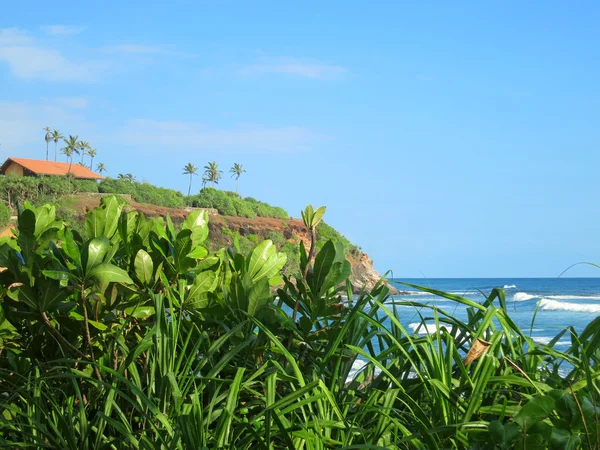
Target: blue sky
[454,140]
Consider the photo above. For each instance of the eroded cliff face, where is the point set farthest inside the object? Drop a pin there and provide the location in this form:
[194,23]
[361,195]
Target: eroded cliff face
[363,273]
[293,230]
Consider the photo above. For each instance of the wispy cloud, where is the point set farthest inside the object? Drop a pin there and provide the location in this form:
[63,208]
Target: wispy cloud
[61,30]
[137,49]
[186,136]
[68,102]
[21,125]
[30,60]
[298,68]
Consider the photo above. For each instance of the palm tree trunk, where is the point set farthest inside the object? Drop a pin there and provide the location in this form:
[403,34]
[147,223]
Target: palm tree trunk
[190,188]
[92,163]
[237,185]
[47,150]
[55,150]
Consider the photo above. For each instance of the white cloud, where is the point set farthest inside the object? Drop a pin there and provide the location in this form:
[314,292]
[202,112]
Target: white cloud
[192,136]
[68,102]
[315,70]
[29,60]
[22,123]
[61,30]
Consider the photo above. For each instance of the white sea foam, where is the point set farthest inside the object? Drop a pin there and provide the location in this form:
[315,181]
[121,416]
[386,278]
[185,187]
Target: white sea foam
[573,297]
[546,340]
[509,286]
[425,328]
[523,297]
[553,305]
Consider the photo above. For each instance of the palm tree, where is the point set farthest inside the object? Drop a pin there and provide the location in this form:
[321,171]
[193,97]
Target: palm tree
[100,168]
[56,136]
[126,177]
[48,138]
[82,147]
[190,170]
[91,153]
[237,172]
[212,173]
[71,147]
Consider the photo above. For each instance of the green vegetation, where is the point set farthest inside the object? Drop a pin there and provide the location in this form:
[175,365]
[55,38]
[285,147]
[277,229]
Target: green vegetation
[5,214]
[139,337]
[15,189]
[236,171]
[212,174]
[230,204]
[143,192]
[72,146]
[190,170]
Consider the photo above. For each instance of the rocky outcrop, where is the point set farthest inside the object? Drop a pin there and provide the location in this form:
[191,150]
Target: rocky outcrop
[292,230]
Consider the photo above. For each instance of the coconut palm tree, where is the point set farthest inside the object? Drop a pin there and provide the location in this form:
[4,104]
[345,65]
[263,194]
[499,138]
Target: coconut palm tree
[127,177]
[92,153]
[56,136]
[190,170]
[101,168]
[212,173]
[70,148]
[48,138]
[237,172]
[83,147]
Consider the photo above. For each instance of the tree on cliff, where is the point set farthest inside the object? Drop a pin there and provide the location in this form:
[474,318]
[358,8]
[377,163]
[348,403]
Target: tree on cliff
[237,172]
[212,173]
[190,170]
[56,136]
[47,138]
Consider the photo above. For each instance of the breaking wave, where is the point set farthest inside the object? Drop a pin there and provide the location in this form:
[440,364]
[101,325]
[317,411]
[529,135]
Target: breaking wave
[425,328]
[553,305]
[509,286]
[523,297]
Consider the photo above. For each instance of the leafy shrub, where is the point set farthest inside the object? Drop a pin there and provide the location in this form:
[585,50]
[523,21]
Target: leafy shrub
[137,337]
[276,237]
[15,189]
[5,214]
[230,204]
[143,192]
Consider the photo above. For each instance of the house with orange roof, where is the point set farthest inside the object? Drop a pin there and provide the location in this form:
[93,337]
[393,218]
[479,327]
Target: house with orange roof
[34,167]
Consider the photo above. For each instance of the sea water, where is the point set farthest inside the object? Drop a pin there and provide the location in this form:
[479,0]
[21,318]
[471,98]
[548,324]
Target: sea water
[541,307]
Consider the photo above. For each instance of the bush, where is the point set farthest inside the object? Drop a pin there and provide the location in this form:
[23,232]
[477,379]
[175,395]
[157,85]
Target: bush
[230,204]
[143,192]
[5,214]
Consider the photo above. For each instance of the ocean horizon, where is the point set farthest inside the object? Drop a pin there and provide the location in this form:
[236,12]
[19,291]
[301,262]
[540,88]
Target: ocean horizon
[540,306]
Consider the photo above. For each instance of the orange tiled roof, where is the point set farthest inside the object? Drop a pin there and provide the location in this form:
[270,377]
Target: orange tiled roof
[40,167]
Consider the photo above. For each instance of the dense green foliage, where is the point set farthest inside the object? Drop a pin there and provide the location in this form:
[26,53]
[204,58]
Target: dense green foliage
[143,192]
[231,204]
[138,337]
[4,215]
[15,188]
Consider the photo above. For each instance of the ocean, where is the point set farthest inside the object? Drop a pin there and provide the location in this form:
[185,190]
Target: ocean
[560,302]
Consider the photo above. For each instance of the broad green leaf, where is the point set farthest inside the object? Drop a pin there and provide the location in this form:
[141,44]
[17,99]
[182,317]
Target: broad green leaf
[259,296]
[140,312]
[197,223]
[26,222]
[109,273]
[318,215]
[93,254]
[198,253]
[144,266]
[204,282]
[536,409]
[503,434]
